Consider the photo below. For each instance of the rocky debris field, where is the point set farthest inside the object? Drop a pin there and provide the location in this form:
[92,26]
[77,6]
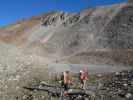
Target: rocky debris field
[116,86]
[112,86]
[18,69]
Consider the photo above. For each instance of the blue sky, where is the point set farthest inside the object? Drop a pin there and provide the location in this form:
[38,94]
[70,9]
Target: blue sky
[13,10]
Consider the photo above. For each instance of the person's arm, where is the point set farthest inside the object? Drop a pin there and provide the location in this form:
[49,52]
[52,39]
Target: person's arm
[70,79]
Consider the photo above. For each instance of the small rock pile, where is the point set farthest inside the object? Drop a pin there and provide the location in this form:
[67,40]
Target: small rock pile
[118,85]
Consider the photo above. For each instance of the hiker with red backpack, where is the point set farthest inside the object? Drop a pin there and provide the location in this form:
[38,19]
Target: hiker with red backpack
[83,77]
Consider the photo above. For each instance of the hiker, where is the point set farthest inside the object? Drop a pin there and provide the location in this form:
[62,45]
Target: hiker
[83,77]
[67,80]
[81,80]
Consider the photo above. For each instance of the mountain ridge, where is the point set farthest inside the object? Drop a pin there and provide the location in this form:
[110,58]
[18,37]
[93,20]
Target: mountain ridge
[60,34]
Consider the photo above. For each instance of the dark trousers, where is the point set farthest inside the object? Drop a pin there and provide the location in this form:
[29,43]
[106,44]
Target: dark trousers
[66,87]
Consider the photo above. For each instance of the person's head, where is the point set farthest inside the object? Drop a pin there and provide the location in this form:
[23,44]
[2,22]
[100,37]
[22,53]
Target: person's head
[81,71]
[67,72]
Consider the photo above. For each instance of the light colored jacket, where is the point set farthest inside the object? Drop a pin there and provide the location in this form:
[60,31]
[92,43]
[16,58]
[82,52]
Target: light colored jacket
[67,78]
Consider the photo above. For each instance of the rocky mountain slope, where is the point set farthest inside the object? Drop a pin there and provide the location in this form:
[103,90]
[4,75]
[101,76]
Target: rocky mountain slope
[62,35]
[101,35]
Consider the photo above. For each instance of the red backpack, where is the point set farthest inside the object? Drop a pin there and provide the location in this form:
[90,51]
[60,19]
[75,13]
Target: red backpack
[84,74]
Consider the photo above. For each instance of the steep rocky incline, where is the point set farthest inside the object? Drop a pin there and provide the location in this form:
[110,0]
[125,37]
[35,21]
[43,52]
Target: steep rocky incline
[61,34]
[118,33]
